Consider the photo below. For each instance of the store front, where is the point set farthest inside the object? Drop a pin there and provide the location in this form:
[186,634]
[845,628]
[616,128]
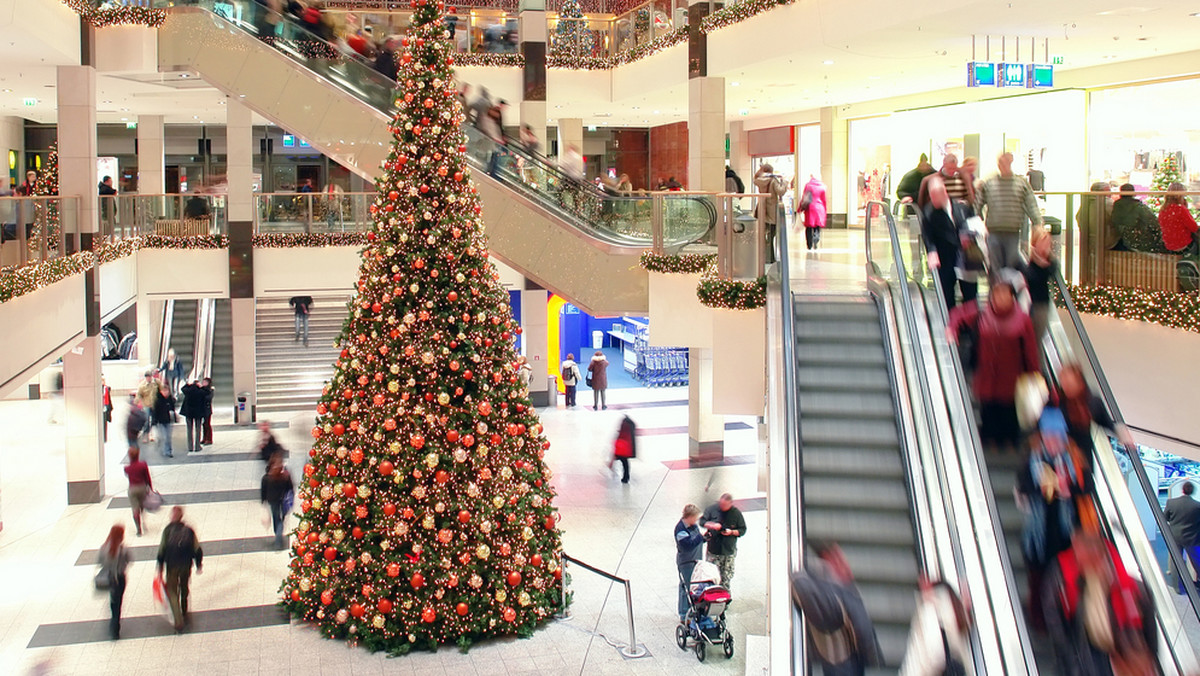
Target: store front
[1131,130]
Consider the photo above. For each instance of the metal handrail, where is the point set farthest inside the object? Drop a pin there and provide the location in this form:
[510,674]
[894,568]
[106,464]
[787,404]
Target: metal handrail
[1110,402]
[633,649]
[164,335]
[970,450]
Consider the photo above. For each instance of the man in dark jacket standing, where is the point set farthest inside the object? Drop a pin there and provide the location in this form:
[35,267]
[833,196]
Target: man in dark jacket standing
[725,524]
[277,492]
[178,550]
[302,305]
[942,228]
[192,408]
[910,183]
[1183,516]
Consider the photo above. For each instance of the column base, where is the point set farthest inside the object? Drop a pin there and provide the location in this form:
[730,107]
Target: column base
[84,492]
[539,399]
[705,453]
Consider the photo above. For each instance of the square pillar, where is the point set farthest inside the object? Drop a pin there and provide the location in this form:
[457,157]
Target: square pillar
[151,155]
[706,430]
[739,151]
[532,29]
[84,424]
[242,311]
[76,91]
[239,142]
[535,331]
[570,133]
[706,134]
[834,160]
[533,113]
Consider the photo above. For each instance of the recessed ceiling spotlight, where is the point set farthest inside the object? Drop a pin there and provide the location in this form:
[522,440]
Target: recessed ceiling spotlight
[183,76]
[7,91]
[735,84]
[827,62]
[658,112]
[124,119]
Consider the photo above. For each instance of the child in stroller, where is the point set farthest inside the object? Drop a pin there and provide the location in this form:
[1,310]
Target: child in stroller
[705,621]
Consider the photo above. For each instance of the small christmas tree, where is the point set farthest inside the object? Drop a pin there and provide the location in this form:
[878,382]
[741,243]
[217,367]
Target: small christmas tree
[572,38]
[425,509]
[46,211]
[1166,174]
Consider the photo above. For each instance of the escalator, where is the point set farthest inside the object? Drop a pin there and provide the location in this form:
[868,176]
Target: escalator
[1120,479]
[220,361]
[181,332]
[564,234]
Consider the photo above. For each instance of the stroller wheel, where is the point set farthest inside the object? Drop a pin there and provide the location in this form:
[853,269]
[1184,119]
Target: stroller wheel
[728,646]
[1189,275]
[700,649]
[681,636]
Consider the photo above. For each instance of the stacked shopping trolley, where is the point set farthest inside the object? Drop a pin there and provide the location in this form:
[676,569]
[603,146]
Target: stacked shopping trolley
[659,366]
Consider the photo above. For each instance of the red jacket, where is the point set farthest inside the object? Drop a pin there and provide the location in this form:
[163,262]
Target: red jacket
[1177,225]
[1007,349]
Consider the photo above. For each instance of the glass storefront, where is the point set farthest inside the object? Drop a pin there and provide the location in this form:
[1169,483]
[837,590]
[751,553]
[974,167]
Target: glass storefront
[1132,129]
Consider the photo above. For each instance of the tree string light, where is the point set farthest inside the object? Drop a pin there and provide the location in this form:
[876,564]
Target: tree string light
[123,15]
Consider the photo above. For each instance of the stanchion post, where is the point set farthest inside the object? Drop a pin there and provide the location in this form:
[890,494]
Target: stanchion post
[633,649]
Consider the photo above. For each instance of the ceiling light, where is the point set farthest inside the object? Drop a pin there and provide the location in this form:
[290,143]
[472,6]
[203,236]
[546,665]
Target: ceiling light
[658,112]
[735,84]
[183,75]
[1195,14]
[124,119]
[827,62]
[7,91]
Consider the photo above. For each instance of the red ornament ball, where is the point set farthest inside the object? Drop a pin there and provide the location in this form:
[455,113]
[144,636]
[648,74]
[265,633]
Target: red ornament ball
[386,468]
[428,615]
[550,523]
[464,516]
[514,579]
[388,509]
[510,615]
[330,553]
[357,609]
[385,606]
[417,441]
[462,609]
[442,476]
[339,429]
[326,597]
[452,296]
[418,580]
[393,570]
[535,560]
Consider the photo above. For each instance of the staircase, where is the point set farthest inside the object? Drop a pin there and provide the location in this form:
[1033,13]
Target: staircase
[290,376]
[183,333]
[221,364]
[855,490]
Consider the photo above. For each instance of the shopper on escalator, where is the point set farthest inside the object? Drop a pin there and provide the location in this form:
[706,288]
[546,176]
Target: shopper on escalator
[1183,516]
[1004,347]
[841,636]
[1082,409]
[910,184]
[943,227]
[1038,271]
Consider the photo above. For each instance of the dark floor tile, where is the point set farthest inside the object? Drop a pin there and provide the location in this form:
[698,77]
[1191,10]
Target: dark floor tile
[149,626]
[204,497]
[265,543]
[702,463]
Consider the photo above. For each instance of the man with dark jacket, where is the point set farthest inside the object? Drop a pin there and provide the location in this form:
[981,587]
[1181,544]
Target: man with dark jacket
[689,547]
[163,416]
[195,400]
[724,524]
[1183,516]
[733,182]
[176,553]
[910,183]
[277,492]
[207,386]
[841,635]
[302,305]
[942,228]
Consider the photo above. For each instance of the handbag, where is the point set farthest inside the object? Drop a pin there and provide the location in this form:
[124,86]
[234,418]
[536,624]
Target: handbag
[289,501]
[588,381]
[153,501]
[103,579]
[805,201]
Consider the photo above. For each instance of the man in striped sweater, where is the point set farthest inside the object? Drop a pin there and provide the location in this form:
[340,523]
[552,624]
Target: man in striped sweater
[1007,205]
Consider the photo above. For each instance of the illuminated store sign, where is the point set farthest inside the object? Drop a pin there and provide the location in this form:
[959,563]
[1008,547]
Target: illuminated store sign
[1026,75]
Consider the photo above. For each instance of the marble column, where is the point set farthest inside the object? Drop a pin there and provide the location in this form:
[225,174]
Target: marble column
[570,133]
[535,337]
[532,29]
[834,160]
[706,134]
[151,155]
[76,92]
[739,152]
[239,142]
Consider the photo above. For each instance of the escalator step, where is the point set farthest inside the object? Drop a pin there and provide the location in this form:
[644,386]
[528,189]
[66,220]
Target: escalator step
[855,434]
[822,353]
[864,309]
[851,493]
[838,331]
[834,379]
[855,405]
[889,603]
[881,564]
[870,528]
[862,462]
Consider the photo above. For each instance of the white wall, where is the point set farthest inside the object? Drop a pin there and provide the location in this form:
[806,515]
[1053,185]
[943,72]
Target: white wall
[180,273]
[118,286]
[285,272]
[12,137]
[43,325]
[1154,372]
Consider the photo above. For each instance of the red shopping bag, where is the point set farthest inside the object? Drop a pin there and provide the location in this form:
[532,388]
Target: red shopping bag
[158,590]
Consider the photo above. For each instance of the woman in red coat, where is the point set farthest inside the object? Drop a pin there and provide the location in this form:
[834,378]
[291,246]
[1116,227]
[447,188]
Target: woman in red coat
[1006,348]
[1176,222]
[625,447]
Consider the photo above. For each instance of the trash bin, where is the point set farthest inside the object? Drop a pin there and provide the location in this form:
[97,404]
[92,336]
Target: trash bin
[597,340]
[552,391]
[744,247]
[243,410]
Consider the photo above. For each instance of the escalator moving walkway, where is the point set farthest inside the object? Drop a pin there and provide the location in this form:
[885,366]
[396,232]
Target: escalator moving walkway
[854,488]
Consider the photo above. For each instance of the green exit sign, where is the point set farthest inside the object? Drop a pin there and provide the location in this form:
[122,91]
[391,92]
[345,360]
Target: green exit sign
[30,101]
[1057,60]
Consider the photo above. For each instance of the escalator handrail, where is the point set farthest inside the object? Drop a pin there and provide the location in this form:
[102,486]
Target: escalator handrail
[974,452]
[1114,411]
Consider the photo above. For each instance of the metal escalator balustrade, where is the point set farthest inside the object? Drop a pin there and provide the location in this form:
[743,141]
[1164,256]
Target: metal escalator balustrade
[363,145]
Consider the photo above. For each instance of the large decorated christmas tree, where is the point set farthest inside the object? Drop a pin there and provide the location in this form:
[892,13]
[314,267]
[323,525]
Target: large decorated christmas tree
[46,212]
[1166,174]
[425,508]
[572,37]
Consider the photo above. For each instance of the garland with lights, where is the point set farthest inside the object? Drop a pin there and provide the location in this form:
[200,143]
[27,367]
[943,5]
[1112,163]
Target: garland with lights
[1174,310]
[118,15]
[292,240]
[17,281]
[114,251]
[732,294]
[491,60]
[732,14]
[190,242]
[689,263]
[425,508]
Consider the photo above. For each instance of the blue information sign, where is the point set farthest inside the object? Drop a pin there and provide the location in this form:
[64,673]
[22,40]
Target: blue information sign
[981,74]
[1012,75]
[1041,76]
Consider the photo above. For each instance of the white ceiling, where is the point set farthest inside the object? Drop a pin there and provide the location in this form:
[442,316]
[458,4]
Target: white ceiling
[773,64]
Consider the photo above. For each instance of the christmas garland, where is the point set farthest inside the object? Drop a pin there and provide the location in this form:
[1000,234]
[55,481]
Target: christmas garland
[653,47]
[124,15]
[193,242]
[732,14]
[732,294]
[692,263]
[491,60]
[292,240]
[114,251]
[18,281]
[1174,310]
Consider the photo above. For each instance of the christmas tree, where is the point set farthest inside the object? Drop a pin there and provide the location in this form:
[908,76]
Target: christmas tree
[46,211]
[1166,174]
[425,507]
[571,34]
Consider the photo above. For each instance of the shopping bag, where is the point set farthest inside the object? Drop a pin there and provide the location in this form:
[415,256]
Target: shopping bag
[159,592]
[153,501]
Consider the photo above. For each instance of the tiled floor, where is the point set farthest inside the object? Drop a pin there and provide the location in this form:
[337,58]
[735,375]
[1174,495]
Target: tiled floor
[52,622]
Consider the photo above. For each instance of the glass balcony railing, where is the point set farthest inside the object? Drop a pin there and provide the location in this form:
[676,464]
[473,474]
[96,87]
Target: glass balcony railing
[37,229]
[173,215]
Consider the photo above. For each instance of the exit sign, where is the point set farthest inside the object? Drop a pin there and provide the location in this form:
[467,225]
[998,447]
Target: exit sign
[30,101]
[1057,60]
[1011,75]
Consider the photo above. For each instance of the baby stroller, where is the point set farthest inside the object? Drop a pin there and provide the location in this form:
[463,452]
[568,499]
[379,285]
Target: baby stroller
[704,624]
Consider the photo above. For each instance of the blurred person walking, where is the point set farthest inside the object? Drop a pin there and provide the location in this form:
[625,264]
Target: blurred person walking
[724,524]
[177,552]
[957,180]
[939,640]
[268,447]
[1038,271]
[597,379]
[278,493]
[1008,206]
[114,559]
[172,372]
[689,549]
[164,412]
[302,306]
[733,182]
[1082,408]
[1004,348]
[944,227]
[140,485]
[910,183]
[624,447]
[147,394]
[1183,516]
[135,422]
[195,402]
[841,635]
[812,209]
